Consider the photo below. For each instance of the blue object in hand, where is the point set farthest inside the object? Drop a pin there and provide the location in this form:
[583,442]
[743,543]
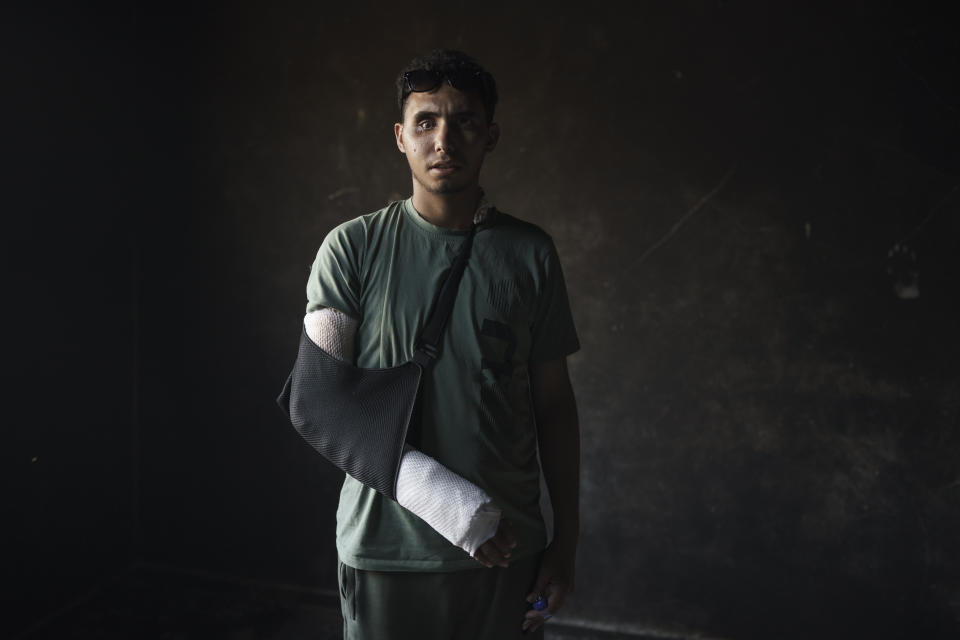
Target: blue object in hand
[540,604]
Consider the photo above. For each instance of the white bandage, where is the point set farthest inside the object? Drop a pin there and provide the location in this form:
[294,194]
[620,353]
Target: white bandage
[454,507]
[332,331]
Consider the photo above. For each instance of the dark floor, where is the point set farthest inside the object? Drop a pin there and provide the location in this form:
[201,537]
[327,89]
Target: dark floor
[169,604]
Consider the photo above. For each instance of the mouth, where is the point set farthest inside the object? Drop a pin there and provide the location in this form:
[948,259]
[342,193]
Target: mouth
[443,168]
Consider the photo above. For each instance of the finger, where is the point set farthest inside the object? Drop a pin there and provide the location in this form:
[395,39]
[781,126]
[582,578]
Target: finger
[481,557]
[539,586]
[504,540]
[491,555]
[494,554]
[501,544]
[534,619]
[530,626]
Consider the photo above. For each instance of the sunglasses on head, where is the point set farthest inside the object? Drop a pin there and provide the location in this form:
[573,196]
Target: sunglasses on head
[428,80]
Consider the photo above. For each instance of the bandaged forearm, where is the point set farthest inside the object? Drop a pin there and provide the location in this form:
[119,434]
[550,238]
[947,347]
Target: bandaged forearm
[453,506]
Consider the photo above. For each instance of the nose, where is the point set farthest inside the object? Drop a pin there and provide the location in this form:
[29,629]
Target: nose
[444,143]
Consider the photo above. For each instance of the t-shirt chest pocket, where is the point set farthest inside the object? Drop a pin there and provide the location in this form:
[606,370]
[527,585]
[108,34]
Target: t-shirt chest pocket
[505,318]
[504,324]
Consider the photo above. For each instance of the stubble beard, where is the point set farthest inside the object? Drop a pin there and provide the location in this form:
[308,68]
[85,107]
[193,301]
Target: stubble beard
[442,187]
[445,187]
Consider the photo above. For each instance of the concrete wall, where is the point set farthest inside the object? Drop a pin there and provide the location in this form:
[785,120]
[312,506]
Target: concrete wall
[770,434]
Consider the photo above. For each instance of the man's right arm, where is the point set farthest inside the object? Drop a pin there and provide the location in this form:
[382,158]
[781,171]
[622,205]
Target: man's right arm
[335,275]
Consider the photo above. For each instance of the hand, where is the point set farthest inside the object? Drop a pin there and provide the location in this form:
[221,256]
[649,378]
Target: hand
[496,550]
[555,581]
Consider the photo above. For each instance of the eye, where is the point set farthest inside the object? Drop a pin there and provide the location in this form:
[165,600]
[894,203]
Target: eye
[466,121]
[425,124]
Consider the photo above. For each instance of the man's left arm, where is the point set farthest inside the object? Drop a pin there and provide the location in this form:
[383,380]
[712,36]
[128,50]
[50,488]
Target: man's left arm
[558,435]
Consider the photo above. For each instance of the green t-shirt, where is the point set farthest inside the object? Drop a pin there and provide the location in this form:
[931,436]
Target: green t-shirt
[477,418]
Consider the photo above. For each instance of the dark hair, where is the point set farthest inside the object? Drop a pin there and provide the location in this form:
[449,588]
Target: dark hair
[449,61]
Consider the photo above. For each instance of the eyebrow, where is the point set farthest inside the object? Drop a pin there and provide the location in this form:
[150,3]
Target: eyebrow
[435,114]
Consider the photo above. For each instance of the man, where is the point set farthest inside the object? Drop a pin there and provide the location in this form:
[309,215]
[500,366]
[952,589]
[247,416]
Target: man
[498,391]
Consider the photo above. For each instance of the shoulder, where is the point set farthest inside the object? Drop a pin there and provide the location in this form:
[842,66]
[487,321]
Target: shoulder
[357,233]
[368,223]
[508,228]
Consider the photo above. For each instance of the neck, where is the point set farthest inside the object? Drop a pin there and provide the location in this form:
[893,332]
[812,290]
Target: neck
[448,210]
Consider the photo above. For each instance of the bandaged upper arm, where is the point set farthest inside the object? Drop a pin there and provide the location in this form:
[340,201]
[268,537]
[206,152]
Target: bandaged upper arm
[453,506]
[332,331]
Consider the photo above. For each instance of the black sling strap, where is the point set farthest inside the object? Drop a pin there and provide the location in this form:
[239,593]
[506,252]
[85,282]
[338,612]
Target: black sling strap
[359,418]
[428,346]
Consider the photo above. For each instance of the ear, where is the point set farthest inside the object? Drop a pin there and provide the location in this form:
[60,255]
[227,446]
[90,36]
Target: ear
[398,132]
[493,135]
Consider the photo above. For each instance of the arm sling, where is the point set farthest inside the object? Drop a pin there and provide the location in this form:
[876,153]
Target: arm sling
[359,419]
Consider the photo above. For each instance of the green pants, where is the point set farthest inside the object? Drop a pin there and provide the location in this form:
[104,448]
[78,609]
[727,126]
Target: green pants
[476,604]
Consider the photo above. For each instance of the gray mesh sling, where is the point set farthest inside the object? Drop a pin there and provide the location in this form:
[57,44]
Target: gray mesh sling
[359,419]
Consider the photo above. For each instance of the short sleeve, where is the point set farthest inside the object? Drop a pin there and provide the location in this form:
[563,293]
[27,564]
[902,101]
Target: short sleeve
[554,335]
[335,276]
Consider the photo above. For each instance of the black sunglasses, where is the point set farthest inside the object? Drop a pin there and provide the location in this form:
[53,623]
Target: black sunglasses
[428,80]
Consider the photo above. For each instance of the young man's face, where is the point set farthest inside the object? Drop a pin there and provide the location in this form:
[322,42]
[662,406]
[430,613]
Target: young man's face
[445,137]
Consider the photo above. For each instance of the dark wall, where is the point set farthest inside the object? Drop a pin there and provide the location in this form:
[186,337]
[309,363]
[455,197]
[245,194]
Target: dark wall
[69,316]
[770,435]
